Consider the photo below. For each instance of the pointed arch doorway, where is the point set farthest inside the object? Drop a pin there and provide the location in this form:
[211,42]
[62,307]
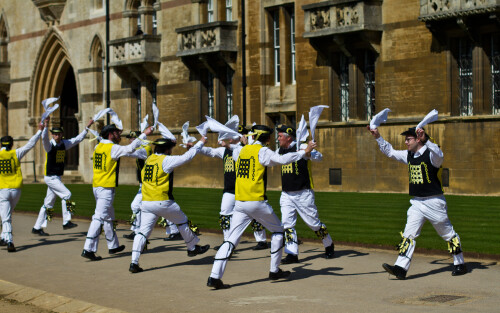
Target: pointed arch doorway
[53,77]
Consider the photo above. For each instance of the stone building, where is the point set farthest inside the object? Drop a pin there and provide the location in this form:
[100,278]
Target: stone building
[357,57]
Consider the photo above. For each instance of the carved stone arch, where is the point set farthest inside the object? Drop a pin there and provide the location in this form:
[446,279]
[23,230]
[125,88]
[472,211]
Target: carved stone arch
[54,76]
[4,74]
[97,43]
[4,37]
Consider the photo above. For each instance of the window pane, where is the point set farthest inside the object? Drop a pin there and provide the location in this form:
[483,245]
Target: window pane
[344,87]
[210,92]
[276,40]
[495,74]
[292,44]
[465,76]
[210,11]
[229,10]
[369,84]
[229,93]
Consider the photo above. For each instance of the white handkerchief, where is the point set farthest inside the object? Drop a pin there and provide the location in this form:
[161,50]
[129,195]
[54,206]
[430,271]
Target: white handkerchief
[233,123]
[301,134]
[185,135]
[203,128]
[165,133]
[49,111]
[156,114]
[380,118]
[314,114]
[144,123]
[217,127]
[48,102]
[101,114]
[429,118]
[116,120]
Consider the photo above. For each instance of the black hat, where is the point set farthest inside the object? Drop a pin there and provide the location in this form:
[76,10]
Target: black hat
[412,131]
[261,129]
[108,129]
[282,128]
[7,141]
[164,142]
[56,130]
[133,134]
[242,130]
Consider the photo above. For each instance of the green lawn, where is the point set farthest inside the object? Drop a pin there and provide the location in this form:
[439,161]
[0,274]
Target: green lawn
[371,218]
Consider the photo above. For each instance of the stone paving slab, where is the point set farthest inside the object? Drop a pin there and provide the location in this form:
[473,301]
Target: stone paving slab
[353,281]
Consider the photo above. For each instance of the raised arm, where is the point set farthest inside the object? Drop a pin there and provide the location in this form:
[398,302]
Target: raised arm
[21,152]
[386,147]
[118,151]
[171,162]
[70,143]
[268,157]
[436,154]
[46,140]
[213,152]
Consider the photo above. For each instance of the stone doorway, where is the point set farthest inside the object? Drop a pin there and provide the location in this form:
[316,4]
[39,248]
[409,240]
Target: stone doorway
[68,108]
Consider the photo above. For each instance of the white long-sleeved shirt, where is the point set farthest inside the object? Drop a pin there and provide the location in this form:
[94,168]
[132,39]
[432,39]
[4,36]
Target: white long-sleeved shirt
[117,151]
[68,143]
[21,152]
[172,161]
[316,156]
[436,155]
[213,152]
[268,157]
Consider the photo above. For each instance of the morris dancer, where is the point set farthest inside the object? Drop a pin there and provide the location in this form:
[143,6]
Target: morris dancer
[54,168]
[297,196]
[11,181]
[158,200]
[424,159]
[105,159]
[251,202]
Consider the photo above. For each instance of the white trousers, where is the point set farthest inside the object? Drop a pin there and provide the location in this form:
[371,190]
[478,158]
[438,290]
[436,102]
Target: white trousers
[136,209]
[244,212]
[55,188]
[227,208]
[8,201]
[171,228]
[302,202]
[168,209]
[104,216]
[433,209]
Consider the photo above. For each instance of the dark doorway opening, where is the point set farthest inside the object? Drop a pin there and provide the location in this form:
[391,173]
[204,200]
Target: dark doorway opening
[4,115]
[68,109]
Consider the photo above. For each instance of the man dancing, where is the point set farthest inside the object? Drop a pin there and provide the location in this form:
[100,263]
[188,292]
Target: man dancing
[297,196]
[424,159]
[251,202]
[54,168]
[11,181]
[158,200]
[105,180]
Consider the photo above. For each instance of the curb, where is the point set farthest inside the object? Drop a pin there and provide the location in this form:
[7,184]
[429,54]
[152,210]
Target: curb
[48,301]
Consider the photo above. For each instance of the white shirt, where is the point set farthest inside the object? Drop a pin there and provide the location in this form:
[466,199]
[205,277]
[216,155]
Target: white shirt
[436,154]
[68,143]
[268,157]
[172,161]
[315,155]
[21,152]
[117,151]
[213,152]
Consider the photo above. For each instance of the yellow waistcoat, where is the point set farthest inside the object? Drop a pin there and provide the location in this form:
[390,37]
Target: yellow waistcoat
[250,175]
[10,170]
[156,184]
[104,166]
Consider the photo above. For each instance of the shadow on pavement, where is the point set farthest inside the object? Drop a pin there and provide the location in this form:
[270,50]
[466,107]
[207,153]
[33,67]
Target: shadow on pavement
[44,242]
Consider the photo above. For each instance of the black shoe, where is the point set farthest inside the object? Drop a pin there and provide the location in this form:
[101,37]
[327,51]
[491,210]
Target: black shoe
[330,251]
[261,245]
[10,247]
[134,268]
[2,242]
[116,250]
[198,250]
[459,269]
[290,259]
[39,232]
[216,283]
[279,274]
[397,271]
[69,225]
[172,237]
[130,236]
[90,255]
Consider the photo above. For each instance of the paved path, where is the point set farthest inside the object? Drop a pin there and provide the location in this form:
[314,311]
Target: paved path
[49,272]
